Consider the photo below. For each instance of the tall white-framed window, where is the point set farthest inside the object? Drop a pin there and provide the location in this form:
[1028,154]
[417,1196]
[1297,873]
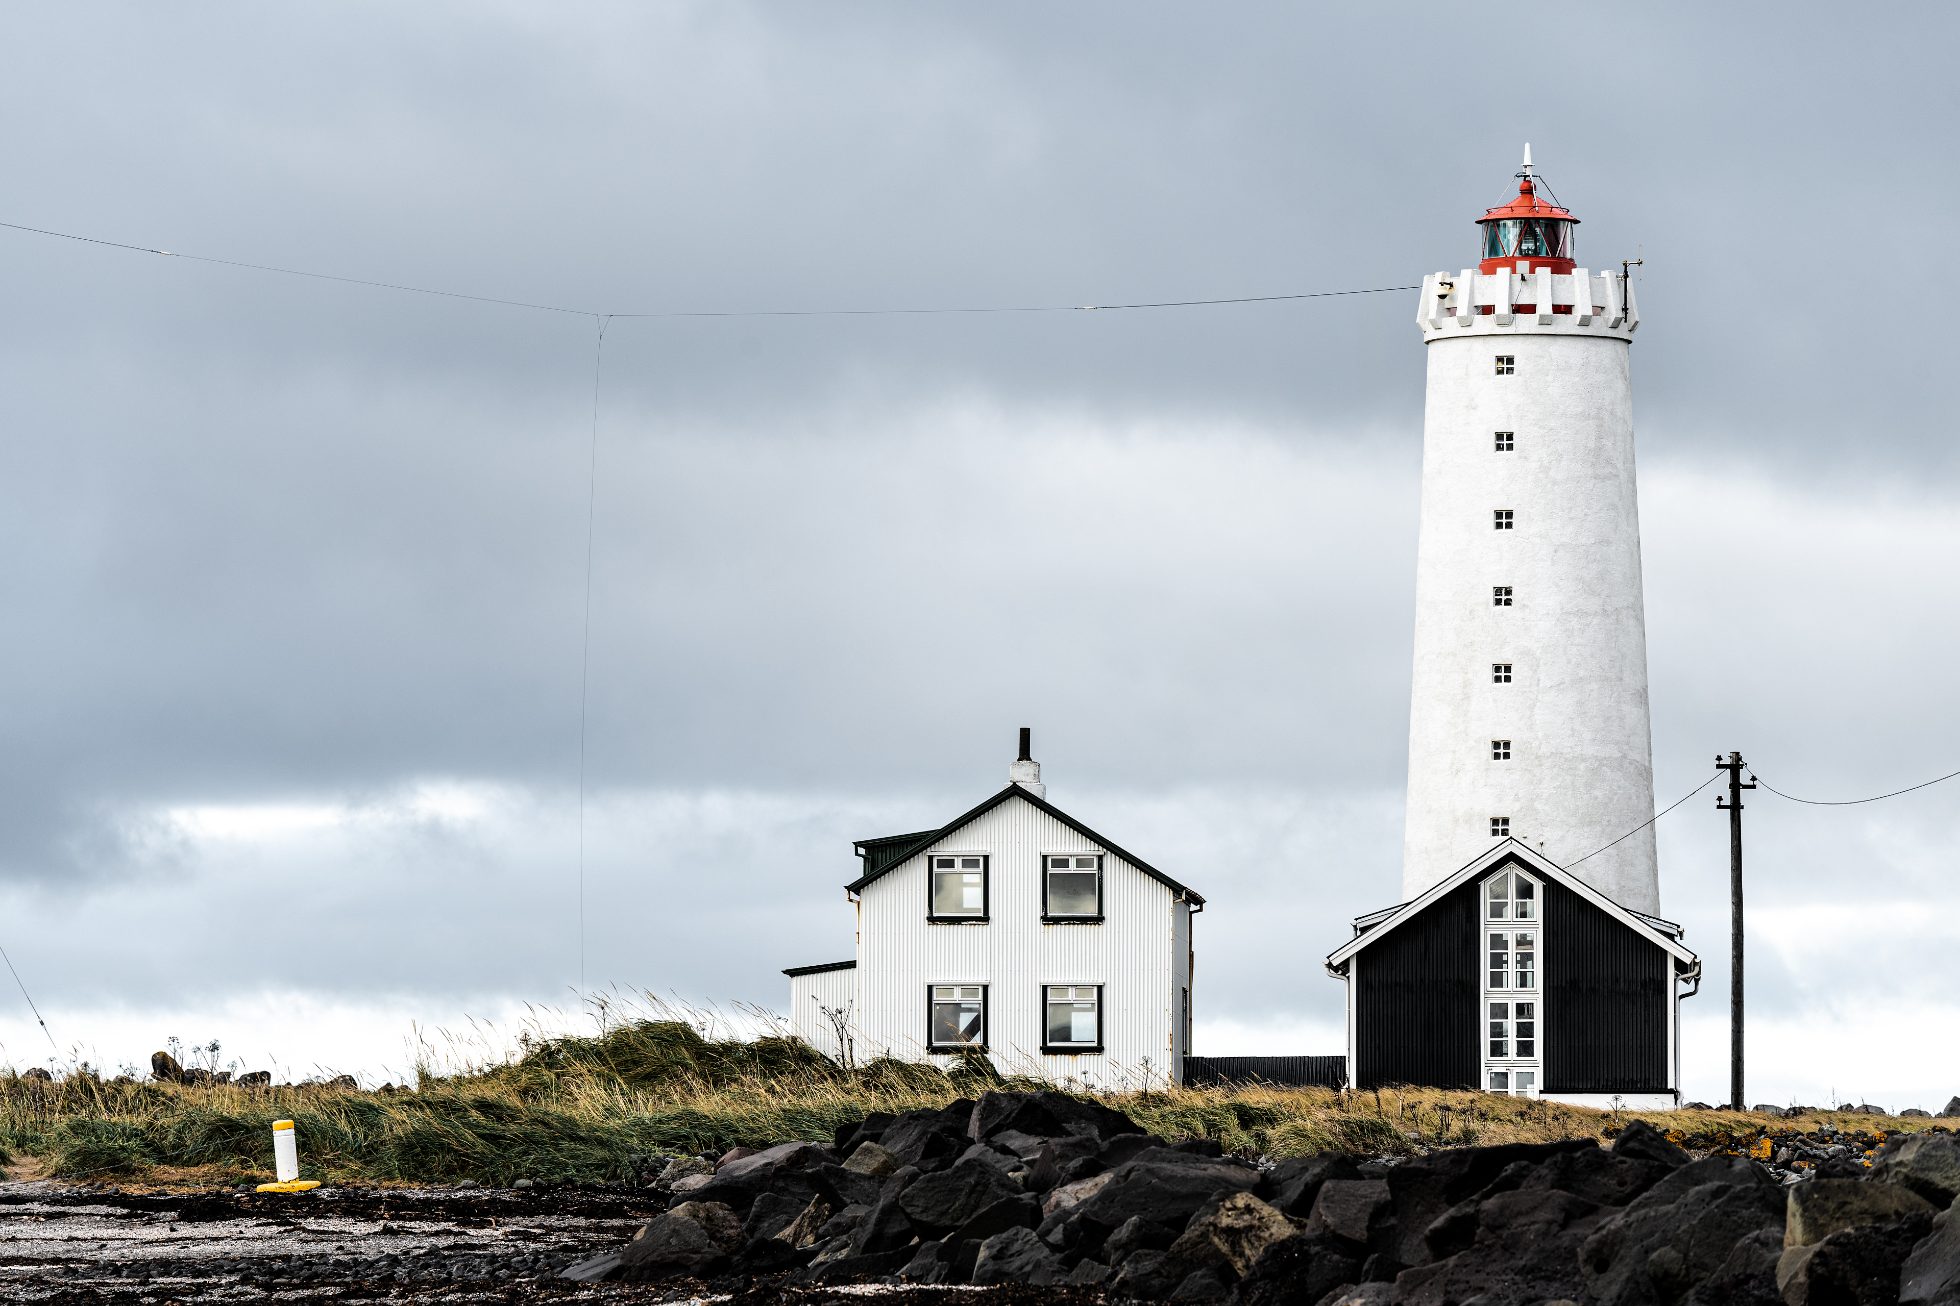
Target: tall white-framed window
[1071,887]
[1503,519]
[1071,1018]
[1511,960]
[959,887]
[956,1016]
[1510,895]
[1512,997]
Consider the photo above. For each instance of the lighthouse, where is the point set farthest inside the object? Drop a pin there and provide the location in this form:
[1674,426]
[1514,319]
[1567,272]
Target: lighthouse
[1527,955]
[1528,711]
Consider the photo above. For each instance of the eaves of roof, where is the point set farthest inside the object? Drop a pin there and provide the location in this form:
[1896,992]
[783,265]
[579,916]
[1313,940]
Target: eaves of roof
[1538,864]
[906,851]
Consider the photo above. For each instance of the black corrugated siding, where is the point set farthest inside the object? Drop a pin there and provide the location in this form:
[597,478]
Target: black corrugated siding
[1416,998]
[1293,1072]
[1606,995]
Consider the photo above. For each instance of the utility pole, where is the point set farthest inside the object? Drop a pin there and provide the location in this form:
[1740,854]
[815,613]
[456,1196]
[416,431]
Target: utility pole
[1734,765]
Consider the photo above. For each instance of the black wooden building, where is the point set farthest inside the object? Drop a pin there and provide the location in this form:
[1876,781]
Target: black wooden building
[1516,976]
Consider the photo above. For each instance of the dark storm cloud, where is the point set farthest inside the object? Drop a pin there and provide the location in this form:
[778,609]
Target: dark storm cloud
[277,540]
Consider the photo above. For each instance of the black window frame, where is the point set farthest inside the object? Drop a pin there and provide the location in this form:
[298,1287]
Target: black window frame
[986,891]
[986,1017]
[1068,1049]
[1053,918]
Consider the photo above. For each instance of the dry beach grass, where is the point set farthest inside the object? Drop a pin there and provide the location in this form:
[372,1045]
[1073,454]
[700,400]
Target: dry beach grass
[605,1107]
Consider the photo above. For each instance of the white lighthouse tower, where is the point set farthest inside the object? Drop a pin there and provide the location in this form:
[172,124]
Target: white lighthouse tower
[1528,717]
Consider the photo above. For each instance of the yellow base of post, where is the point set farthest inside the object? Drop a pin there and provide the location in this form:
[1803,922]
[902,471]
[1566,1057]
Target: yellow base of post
[290,1186]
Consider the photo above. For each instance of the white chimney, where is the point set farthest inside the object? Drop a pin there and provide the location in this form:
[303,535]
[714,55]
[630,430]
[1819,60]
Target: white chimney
[1026,772]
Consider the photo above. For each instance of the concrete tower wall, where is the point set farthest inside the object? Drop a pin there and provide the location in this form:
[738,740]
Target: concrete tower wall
[1580,772]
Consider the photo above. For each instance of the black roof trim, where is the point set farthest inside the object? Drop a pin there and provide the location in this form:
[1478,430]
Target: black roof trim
[902,852]
[822,969]
[876,853]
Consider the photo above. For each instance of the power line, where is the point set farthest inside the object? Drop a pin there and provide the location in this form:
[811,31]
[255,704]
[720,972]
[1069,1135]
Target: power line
[30,1001]
[707,313]
[1649,821]
[1848,802]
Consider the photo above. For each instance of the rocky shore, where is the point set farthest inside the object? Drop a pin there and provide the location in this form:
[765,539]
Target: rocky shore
[1045,1190]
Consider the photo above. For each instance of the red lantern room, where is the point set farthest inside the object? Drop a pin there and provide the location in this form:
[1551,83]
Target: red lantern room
[1527,233]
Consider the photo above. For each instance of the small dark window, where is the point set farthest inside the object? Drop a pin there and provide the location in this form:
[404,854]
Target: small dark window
[1071,1017]
[1500,596]
[1506,441]
[1502,519]
[1073,888]
[1500,673]
[959,887]
[957,1015]
[1507,364]
[1500,827]
[1500,750]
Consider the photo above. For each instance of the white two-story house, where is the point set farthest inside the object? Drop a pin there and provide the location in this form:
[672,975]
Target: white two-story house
[1016,930]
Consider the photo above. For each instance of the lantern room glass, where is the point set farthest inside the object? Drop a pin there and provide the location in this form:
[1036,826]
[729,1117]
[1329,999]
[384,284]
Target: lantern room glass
[1528,238]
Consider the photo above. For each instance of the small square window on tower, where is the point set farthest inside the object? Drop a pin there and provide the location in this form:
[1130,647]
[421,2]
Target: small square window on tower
[1500,596]
[1501,519]
[1507,441]
[1507,364]
[1500,827]
[1500,673]
[1500,750]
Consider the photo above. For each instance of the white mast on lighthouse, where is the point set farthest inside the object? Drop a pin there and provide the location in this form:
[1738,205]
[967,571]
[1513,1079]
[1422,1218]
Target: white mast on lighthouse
[1528,717]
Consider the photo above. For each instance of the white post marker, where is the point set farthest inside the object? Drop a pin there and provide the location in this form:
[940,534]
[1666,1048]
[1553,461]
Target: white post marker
[285,1157]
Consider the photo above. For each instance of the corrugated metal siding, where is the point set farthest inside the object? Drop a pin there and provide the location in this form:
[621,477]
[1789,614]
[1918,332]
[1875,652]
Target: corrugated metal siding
[1606,996]
[1416,1017]
[836,989]
[1130,954]
[1300,1072]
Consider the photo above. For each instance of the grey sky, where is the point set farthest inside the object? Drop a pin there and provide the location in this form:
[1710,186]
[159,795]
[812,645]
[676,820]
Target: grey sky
[286,542]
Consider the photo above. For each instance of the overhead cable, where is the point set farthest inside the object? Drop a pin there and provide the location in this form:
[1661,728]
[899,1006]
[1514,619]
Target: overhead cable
[1848,802]
[684,313]
[30,1000]
[1649,821]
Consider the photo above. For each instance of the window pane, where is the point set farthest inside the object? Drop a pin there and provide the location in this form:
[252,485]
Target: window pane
[958,893]
[1072,893]
[1500,1081]
[1526,1080]
[957,1021]
[969,863]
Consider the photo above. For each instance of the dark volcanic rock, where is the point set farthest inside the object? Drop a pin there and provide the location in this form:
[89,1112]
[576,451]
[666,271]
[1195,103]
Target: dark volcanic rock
[1855,1266]
[1045,1115]
[1228,1236]
[1299,1272]
[1424,1187]
[1526,1248]
[1020,1211]
[1931,1274]
[1928,1164]
[1291,1185]
[885,1226]
[1017,1256]
[164,1068]
[787,1168]
[1822,1207]
[929,1138]
[1678,1232]
[693,1238]
[950,1198]
[1746,1277]
[1162,1187]
[1640,1141]
[1349,1209]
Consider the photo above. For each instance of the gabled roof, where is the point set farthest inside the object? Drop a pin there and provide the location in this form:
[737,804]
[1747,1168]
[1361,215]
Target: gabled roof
[883,855]
[1535,862]
[822,968]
